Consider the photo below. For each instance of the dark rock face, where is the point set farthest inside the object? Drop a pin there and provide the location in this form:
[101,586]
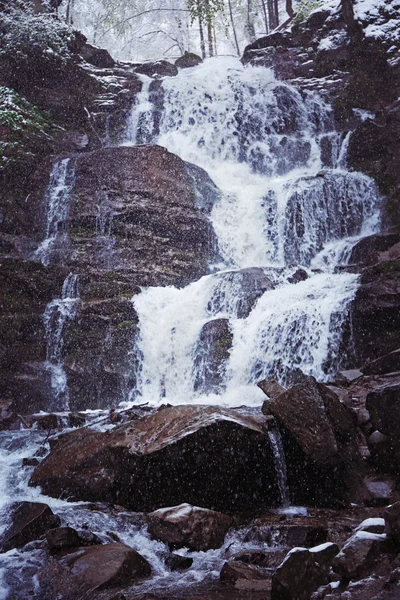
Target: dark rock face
[375,148]
[319,437]
[383,406]
[30,521]
[189,59]
[375,315]
[159,68]
[212,354]
[368,251]
[136,217]
[189,526]
[205,456]
[392,522]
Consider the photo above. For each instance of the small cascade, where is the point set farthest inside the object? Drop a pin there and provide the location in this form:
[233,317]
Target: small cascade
[58,313]
[139,128]
[280,465]
[104,217]
[57,198]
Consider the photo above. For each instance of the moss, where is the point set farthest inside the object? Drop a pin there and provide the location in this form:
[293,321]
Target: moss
[125,325]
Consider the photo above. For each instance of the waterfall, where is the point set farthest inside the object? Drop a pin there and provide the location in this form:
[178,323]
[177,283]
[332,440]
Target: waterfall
[58,313]
[280,465]
[57,199]
[286,201]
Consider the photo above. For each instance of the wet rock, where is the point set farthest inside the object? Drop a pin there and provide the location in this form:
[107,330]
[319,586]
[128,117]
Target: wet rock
[30,462]
[159,68]
[299,275]
[175,562]
[297,577]
[358,554]
[247,285]
[8,417]
[61,538]
[189,59]
[367,251]
[206,456]
[288,533]
[99,57]
[271,388]
[108,565]
[233,571]
[212,354]
[392,522]
[189,526]
[385,364]
[206,192]
[380,490]
[30,521]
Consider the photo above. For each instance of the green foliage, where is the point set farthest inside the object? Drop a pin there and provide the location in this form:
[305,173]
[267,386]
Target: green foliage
[205,10]
[22,126]
[304,8]
[25,36]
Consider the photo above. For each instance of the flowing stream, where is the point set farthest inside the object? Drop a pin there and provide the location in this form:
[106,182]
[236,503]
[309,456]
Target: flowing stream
[287,202]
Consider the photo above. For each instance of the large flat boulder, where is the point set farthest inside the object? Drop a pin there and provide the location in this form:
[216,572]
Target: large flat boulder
[206,456]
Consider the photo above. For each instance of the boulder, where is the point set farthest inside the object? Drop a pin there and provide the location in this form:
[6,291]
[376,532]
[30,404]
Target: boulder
[221,459]
[176,562]
[159,68]
[212,354]
[324,554]
[189,526]
[233,571]
[60,538]
[318,434]
[298,576]
[299,275]
[99,57]
[246,285]
[358,555]
[392,522]
[189,59]
[105,566]
[383,406]
[271,388]
[314,416]
[30,521]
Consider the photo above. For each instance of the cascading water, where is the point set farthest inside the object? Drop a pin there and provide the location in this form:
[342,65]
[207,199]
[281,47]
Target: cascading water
[286,199]
[56,316]
[57,198]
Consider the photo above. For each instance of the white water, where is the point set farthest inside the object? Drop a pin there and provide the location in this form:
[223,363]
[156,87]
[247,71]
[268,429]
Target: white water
[57,198]
[58,313]
[284,203]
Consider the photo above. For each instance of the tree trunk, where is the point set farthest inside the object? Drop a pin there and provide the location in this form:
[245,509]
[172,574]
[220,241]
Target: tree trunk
[210,37]
[265,16]
[276,11]
[233,27]
[202,42]
[289,8]
[251,32]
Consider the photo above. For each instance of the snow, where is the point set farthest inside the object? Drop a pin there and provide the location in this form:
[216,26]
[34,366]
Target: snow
[371,522]
[380,18]
[366,535]
[321,547]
